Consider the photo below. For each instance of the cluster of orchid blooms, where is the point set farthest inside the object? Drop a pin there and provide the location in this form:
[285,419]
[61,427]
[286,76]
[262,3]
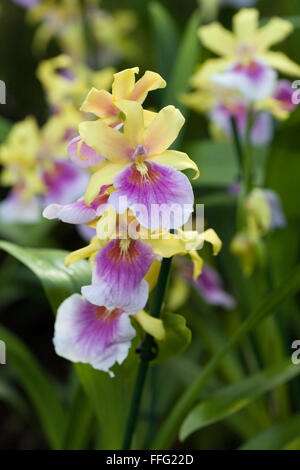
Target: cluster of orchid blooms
[137,202]
[123,186]
[242,84]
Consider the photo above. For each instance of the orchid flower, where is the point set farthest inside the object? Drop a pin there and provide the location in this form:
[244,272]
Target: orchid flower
[96,335]
[140,166]
[34,168]
[246,50]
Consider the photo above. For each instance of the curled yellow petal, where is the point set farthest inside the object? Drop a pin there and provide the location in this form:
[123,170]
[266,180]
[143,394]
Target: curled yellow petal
[99,102]
[134,122]
[85,252]
[197,262]
[123,83]
[152,274]
[149,82]
[178,160]
[210,236]
[102,177]
[153,326]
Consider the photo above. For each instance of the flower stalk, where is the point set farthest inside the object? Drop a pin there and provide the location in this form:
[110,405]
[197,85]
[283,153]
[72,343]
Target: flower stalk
[147,353]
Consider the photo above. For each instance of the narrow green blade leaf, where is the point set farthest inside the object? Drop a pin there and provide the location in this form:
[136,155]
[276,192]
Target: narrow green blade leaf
[276,437]
[48,265]
[165,38]
[184,64]
[233,398]
[173,421]
[37,386]
[80,423]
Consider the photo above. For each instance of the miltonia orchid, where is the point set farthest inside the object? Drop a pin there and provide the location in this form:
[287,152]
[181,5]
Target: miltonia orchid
[34,166]
[246,49]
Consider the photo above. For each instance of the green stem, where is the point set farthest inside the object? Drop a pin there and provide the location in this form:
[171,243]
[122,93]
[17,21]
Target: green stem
[146,353]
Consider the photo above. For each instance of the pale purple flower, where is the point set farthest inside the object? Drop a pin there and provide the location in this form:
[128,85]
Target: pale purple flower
[92,334]
[284,94]
[278,219]
[14,209]
[209,285]
[65,182]
[262,128]
[26,3]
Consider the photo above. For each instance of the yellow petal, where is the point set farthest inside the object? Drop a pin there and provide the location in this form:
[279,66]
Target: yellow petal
[163,130]
[217,39]
[106,226]
[102,177]
[211,237]
[152,274]
[153,326]
[245,24]
[123,83]
[148,117]
[107,141]
[99,102]
[149,82]
[200,101]
[178,160]
[197,262]
[276,30]
[85,252]
[281,62]
[134,122]
[210,67]
[167,246]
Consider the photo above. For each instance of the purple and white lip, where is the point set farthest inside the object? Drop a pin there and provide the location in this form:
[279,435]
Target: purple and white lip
[254,81]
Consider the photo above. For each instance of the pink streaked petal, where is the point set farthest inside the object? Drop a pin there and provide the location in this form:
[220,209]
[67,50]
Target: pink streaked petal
[83,155]
[90,334]
[163,198]
[78,212]
[118,275]
[284,94]
[65,183]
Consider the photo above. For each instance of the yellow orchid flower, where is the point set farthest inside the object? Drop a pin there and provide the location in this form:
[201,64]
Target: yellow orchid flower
[105,105]
[142,152]
[66,81]
[246,44]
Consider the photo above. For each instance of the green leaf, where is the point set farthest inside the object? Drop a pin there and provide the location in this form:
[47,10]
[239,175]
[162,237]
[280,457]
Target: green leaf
[80,423]
[13,398]
[184,64]
[218,165]
[165,38]
[108,397]
[276,437]
[233,398]
[37,386]
[178,337]
[168,430]
[58,281]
